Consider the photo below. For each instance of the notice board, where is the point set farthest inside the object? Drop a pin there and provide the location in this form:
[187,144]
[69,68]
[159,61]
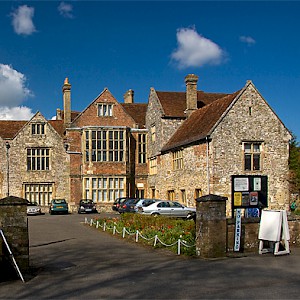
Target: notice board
[249,191]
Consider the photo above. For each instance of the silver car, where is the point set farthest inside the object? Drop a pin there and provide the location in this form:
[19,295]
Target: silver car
[33,208]
[169,209]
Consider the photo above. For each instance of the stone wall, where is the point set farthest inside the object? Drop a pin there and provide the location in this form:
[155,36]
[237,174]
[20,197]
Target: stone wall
[250,230]
[13,222]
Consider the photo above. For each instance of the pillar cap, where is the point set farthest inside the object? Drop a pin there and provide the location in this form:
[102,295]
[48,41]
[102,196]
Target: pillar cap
[13,200]
[211,197]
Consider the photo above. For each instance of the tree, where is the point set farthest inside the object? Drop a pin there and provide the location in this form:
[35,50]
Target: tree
[294,165]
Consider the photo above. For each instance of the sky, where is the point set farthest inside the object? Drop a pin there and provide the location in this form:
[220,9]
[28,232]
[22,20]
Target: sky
[138,45]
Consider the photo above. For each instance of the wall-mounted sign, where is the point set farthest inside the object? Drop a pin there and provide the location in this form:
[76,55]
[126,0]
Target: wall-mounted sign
[241,184]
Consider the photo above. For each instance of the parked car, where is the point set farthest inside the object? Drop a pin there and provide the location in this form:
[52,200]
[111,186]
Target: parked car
[169,209]
[128,205]
[144,202]
[33,208]
[118,202]
[58,206]
[86,206]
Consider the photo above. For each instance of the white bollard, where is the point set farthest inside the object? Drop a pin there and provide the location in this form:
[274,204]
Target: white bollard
[178,249]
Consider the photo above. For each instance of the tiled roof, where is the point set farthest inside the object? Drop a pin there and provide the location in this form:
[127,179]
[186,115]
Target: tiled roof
[200,123]
[58,125]
[174,103]
[8,129]
[137,111]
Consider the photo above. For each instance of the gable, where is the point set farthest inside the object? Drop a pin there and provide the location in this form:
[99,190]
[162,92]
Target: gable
[90,115]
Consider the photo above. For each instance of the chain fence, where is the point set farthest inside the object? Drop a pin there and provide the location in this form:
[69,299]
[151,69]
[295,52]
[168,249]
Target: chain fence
[138,235]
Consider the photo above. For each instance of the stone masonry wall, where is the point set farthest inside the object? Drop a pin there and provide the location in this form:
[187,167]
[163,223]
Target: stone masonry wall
[58,171]
[226,152]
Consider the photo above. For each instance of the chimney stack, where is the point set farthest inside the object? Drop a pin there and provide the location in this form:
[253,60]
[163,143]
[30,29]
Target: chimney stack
[128,96]
[191,93]
[66,89]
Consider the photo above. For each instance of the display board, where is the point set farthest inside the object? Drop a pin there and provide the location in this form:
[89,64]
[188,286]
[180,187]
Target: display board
[249,191]
[274,230]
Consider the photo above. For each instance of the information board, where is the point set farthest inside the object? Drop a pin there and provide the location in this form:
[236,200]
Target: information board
[249,191]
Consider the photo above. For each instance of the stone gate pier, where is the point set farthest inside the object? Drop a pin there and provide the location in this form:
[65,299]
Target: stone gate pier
[211,226]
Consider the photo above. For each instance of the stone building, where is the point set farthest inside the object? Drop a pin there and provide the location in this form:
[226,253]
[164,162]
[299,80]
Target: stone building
[197,141]
[179,146]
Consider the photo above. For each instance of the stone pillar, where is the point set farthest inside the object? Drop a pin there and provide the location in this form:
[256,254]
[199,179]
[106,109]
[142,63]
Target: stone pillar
[13,223]
[211,226]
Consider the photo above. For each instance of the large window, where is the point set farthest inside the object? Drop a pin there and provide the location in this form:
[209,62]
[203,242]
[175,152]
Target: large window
[37,129]
[39,192]
[105,110]
[142,148]
[38,159]
[178,160]
[104,189]
[105,145]
[252,156]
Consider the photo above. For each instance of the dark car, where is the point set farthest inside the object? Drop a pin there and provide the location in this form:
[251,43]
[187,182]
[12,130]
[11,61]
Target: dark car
[118,202]
[86,206]
[58,206]
[128,205]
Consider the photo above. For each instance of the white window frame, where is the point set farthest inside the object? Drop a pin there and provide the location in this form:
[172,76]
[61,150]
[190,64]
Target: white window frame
[105,109]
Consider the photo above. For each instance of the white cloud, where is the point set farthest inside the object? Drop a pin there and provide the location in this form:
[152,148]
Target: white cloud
[66,10]
[12,87]
[15,113]
[248,40]
[22,20]
[194,50]
[12,93]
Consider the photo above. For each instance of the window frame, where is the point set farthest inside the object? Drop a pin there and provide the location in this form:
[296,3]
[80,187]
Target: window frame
[37,128]
[252,156]
[105,109]
[177,160]
[142,148]
[105,145]
[38,159]
[153,165]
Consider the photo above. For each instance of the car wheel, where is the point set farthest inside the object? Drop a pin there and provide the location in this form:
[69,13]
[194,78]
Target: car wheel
[155,215]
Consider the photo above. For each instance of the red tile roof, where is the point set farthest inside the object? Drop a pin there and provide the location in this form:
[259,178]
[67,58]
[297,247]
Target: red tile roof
[8,129]
[137,111]
[200,123]
[174,103]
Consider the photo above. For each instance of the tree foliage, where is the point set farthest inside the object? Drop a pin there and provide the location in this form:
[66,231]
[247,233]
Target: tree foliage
[294,165]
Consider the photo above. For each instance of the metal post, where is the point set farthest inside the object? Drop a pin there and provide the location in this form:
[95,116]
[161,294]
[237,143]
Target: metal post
[7,160]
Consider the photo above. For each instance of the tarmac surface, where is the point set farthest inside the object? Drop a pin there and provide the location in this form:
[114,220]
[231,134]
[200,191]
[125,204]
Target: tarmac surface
[71,260]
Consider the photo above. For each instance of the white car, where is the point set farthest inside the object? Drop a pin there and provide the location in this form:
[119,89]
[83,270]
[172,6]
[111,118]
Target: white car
[169,209]
[33,208]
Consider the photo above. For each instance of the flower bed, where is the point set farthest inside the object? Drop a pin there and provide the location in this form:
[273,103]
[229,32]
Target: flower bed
[168,231]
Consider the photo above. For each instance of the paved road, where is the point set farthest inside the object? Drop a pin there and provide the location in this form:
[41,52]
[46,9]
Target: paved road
[74,261]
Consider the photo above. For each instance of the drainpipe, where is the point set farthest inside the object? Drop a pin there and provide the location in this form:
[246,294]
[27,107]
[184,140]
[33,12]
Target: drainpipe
[207,165]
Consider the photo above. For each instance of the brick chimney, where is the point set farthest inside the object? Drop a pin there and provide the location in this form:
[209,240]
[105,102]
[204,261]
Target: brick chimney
[66,89]
[191,93]
[128,96]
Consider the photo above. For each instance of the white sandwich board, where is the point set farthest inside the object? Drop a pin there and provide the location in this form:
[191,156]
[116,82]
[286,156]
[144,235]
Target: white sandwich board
[274,229]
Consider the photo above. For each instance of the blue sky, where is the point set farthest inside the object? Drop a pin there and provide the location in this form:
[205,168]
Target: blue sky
[138,45]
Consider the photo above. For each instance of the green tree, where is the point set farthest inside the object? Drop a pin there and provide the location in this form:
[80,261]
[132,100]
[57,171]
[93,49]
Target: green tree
[294,165]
